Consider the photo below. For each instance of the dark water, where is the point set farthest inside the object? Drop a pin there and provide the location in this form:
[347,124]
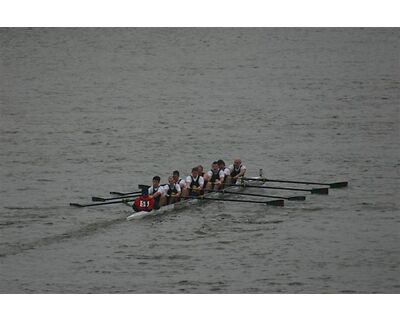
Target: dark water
[87,111]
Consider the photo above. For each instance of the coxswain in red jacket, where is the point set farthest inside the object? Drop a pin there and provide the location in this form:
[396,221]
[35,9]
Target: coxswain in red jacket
[143,202]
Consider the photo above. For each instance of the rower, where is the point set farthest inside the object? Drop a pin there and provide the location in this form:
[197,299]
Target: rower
[215,177]
[221,165]
[178,180]
[194,184]
[172,191]
[157,193]
[237,170]
[200,170]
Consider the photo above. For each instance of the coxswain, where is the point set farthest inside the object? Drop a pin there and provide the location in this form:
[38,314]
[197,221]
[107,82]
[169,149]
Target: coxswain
[157,192]
[215,177]
[172,191]
[194,184]
[143,202]
[236,170]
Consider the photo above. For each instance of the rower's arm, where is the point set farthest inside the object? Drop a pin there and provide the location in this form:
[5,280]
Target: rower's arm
[155,195]
[188,181]
[221,177]
[242,172]
[179,191]
[201,182]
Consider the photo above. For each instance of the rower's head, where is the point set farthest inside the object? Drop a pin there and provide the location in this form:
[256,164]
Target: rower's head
[200,168]
[221,164]
[175,174]
[156,181]
[215,166]
[171,180]
[195,172]
[237,163]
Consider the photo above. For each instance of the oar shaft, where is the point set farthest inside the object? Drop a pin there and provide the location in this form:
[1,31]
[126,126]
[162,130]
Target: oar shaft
[299,182]
[316,190]
[340,184]
[125,193]
[293,198]
[115,198]
[233,200]
[252,194]
[97,204]
[273,202]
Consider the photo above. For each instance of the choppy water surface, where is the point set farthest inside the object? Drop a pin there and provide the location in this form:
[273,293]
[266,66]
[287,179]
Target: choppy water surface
[87,111]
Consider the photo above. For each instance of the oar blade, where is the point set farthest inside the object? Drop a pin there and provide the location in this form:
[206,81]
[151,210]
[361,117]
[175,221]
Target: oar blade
[98,199]
[341,184]
[297,198]
[276,203]
[320,190]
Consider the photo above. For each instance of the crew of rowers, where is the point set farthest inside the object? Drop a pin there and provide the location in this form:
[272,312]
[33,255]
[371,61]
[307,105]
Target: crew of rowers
[194,185]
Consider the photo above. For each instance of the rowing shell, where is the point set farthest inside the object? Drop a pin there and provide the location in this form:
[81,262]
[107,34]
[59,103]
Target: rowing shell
[188,202]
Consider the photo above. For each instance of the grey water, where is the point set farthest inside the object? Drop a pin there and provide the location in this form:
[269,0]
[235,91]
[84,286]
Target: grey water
[89,111]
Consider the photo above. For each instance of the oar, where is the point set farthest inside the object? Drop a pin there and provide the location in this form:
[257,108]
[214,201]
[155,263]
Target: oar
[98,204]
[294,198]
[141,186]
[125,193]
[121,197]
[314,191]
[341,184]
[278,203]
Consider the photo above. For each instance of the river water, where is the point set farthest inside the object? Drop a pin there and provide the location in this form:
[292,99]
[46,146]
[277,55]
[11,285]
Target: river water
[89,111]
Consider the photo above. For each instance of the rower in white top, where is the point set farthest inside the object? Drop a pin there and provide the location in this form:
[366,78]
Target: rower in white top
[194,184]
[221,165]
[157,192]
[178,180]
[236,170]
[215,177]
[172,191]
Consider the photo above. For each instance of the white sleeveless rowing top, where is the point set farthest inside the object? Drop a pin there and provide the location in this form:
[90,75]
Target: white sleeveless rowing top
[189,181]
